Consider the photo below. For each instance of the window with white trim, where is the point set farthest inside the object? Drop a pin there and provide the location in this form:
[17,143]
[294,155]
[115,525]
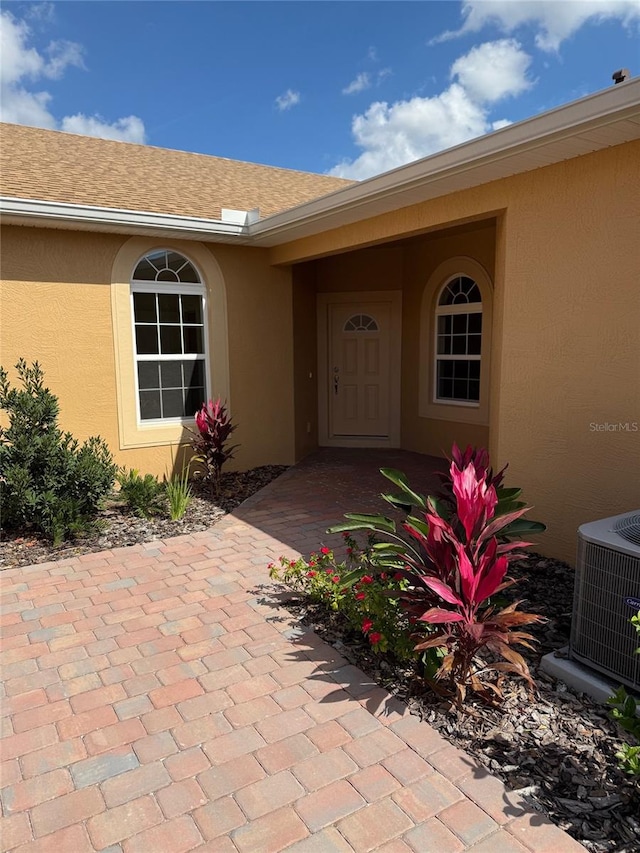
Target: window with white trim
[458,342]
[168,301]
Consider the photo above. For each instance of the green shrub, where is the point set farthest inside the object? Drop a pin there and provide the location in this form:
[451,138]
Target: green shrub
[143,495]
[624,708]
[48,481]
[178,491]
[370,605]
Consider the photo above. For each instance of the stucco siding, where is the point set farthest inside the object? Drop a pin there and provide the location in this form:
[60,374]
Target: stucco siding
[56,307]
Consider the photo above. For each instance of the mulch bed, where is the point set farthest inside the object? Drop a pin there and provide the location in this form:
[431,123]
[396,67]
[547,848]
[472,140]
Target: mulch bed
[557,751]
[118,527]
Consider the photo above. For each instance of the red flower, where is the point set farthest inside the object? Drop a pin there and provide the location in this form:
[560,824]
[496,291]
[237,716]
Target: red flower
[374,638]
[367,625]
[398,576]
[336,578]
[360,596]
[312,562]
[292,563]
[349,550]
[345,535]
[311,574]
[367,579]
[325,551]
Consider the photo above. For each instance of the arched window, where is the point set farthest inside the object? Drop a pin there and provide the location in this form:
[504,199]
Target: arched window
[168,299]
[361,323]
[458,342]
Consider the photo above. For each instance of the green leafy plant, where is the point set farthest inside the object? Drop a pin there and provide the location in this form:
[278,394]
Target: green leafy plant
[454,557]
[210,443]
[48,481]
[624,712]
[143,495]
[369,604]
[179,493]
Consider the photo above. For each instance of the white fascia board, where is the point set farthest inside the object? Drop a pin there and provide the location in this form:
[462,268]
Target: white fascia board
[600,109]
[64,214]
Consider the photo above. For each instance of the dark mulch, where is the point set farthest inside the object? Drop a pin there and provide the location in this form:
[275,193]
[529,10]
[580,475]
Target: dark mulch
[118,527]
[557,750]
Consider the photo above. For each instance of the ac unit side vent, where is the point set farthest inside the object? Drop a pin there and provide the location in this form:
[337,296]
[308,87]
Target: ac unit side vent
[629,528]
[607,590]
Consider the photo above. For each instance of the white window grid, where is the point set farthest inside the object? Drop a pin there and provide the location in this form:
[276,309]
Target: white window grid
[179,289]
[458,308]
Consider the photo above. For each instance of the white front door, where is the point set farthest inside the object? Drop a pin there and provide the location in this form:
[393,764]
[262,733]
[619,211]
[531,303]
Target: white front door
[359,369]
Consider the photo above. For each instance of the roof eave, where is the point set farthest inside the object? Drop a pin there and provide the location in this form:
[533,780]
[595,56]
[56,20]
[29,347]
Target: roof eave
[49,214]
[509,145]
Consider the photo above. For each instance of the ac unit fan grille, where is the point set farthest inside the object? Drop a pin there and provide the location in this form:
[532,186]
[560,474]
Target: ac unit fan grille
[601,634]
[629,528]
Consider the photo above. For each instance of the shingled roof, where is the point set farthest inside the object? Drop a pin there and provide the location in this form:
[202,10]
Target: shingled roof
[53,166]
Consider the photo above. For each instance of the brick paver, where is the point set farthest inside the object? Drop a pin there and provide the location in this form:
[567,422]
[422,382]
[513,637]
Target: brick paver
[160,699]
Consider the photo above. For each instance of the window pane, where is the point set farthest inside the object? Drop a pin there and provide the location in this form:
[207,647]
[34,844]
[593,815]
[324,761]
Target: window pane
[171,372]
[146,340]
[192,309]
[475,344]
[444,345]
[459,345]
[157,259]
[195,397]
[175,261]
[170,342]
[144,307]
[148,374]
[474,390]
[172,404]
[474,369]
[149,405]
[144,271]
[445,388]
[188,274]
[475,323]
[169,307]
[459,324]
[193,339]
[460,389]
[193,373]
[445,369]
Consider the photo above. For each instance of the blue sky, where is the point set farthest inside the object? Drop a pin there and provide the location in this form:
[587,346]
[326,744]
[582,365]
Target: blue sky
[348,88]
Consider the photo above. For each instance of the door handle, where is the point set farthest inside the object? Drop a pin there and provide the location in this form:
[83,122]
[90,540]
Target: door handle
[336,379]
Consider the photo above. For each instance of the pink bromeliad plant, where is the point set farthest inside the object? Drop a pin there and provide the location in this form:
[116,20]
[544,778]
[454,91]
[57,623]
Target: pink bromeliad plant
[454,557]
[210,443]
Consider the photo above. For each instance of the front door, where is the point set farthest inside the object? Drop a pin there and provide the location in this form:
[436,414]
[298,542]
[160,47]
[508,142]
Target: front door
[359,369]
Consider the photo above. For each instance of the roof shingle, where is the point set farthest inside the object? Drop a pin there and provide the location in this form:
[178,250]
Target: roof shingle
[53,166]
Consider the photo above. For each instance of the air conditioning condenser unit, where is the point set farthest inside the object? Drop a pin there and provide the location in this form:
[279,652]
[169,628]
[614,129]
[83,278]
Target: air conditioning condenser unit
[606,596]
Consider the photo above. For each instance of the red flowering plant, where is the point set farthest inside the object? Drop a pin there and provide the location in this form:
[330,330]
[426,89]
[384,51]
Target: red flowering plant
[369,603]
[454,558]
[210,442]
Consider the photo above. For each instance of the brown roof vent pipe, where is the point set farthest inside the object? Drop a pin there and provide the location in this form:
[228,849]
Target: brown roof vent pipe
[620,76]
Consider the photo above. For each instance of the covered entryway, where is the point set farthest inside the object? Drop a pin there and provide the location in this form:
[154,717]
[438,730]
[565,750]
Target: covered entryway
[359,368]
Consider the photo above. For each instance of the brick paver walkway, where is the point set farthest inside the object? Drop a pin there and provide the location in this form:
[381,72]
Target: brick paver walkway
[154,702]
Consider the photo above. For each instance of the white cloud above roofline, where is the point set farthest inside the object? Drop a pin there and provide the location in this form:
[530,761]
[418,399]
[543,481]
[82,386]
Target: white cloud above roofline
[554,22]
[22,70]
[394,134]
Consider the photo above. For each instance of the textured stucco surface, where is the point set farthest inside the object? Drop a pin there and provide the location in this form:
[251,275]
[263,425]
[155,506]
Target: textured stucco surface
[56,308]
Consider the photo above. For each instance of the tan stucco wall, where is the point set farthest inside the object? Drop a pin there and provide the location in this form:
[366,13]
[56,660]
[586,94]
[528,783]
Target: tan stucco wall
[56,308]
[566,349]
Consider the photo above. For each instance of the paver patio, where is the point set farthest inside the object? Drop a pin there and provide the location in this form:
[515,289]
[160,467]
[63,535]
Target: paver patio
[155,699]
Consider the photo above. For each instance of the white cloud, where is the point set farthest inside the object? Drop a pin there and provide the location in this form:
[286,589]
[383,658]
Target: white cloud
[554,21]
[359,84]
[493,70]
[22,66]
[393,134]
[287,100]
[129,129]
